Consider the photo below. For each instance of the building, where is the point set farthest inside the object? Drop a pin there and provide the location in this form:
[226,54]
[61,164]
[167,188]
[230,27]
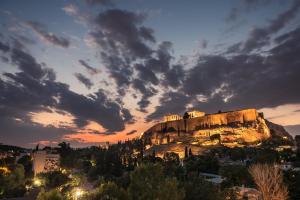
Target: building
[5,154]
[45,161]
[195,113]
[172,117]
[247,193]
[213,178]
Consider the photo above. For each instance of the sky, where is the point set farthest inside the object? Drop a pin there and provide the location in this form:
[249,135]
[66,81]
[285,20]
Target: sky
[92,71]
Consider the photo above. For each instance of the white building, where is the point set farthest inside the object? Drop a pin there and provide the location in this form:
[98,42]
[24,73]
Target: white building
[172,117]
[195,113]
[213,178]
[45,161]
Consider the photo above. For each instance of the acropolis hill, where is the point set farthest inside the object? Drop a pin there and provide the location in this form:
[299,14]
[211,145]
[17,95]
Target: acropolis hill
[199,131]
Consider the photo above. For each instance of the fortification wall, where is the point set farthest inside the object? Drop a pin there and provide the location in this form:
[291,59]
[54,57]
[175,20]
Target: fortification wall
[226,118]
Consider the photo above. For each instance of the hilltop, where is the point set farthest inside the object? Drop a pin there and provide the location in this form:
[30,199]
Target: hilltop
[199,132]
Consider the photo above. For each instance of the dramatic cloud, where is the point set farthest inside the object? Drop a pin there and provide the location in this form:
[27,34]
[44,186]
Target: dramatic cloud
[27,63]
[260,37]
[34,89]
[91,70]
[173,102]
[240,81]
[84,80]
[127,50]
[42,31]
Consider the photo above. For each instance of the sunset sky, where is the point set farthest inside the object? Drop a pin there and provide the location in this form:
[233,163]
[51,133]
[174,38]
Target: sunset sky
[91,71]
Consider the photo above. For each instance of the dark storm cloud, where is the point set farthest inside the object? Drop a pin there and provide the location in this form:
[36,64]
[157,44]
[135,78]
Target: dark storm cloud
[89,68]
[84,80]
[42,31]
[261,36]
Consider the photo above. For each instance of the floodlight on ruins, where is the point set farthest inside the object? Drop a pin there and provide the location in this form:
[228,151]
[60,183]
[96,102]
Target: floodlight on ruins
[78,193]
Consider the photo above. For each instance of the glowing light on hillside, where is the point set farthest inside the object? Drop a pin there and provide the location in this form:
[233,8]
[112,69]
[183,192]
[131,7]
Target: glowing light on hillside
[78,193]
[5,170]
[37,182]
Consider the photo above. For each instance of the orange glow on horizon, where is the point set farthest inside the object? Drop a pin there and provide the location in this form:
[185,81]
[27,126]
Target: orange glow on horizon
[86,137]
[93,132]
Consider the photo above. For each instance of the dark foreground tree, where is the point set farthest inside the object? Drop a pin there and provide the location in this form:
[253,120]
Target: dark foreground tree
[50,195]
[108,191]
[197,188]
[149,182]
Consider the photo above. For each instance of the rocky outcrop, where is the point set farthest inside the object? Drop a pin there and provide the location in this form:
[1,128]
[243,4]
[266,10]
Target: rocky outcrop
[234,128]
[278,130]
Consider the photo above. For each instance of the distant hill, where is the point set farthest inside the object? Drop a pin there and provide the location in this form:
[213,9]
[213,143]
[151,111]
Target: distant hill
[293,129]
[4,147]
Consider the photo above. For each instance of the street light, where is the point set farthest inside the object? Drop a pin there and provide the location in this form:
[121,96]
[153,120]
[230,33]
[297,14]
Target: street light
[78,193]
[37,182]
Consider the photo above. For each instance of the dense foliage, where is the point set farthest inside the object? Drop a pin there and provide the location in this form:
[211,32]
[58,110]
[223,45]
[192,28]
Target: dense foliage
[127,171]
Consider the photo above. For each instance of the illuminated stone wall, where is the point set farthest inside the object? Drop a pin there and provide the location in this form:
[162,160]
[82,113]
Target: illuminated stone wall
[207,121]
[44,161]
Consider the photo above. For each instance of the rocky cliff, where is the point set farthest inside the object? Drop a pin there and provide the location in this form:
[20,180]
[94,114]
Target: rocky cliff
[234,128]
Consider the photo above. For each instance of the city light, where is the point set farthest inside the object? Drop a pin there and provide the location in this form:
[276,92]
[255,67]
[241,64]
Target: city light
[37,182]
[5,170]
[78,193]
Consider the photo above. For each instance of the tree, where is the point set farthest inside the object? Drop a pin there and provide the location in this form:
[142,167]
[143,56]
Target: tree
[185,117]
[54,179]
[235,175]
[68,156]
[204,163]
[27,164]
[297,139]
[292,179]
[107,191]
[269,180]
[197,188]
[186,154]
[149,182]
[51,195]
[190,152]
[12,182]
